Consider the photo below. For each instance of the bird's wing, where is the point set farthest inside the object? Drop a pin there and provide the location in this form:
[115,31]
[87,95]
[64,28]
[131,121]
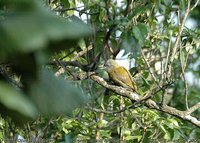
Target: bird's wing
[133,82]
[121,76]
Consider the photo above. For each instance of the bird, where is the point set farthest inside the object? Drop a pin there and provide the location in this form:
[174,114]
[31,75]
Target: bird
[120,75]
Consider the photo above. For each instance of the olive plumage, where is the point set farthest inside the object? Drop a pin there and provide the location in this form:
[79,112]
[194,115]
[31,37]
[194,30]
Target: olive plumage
[120,75]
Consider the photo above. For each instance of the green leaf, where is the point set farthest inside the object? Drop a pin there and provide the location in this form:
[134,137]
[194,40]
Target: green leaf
[167,135]
[140,32]
[141,9]
[55,96]
[65,3]
[174,121]
[145,81]
[105,133]
[68,137]
[133,137]
[82,44]
[34,29]
[102,123]
[130,44]
[177,135]
[14,100]
[102,15]
[163,128]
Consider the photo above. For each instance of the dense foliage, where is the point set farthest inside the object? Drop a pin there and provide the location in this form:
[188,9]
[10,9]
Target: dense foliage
[53,87]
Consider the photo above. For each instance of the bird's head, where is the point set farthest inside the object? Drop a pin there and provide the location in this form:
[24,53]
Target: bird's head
[111,64]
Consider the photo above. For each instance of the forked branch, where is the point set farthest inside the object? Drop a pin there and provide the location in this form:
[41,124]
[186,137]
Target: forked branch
[185,115]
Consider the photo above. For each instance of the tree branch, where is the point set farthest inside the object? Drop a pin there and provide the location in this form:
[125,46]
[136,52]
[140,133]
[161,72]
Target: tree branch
[194,5]
[70,63]
[81,53]
[120,90]
[193,108]
[185,115]
[181,27]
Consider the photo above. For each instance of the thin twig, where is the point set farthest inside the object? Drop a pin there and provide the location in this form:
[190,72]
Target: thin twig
[143,135]
[101,116]
[194,5]
[183,76]
[193,108]
[151,72]
[81,53]
[181,27]
[122,137]
[167,59]
[68,9]
[133,106]
[75,9]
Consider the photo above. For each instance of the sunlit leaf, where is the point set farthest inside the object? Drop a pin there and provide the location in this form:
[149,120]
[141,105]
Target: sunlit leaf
[133,137]
[82,44]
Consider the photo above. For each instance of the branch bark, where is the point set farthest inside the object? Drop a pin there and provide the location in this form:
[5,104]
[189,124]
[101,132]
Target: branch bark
[185,115]
[139,99]
[120,90]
